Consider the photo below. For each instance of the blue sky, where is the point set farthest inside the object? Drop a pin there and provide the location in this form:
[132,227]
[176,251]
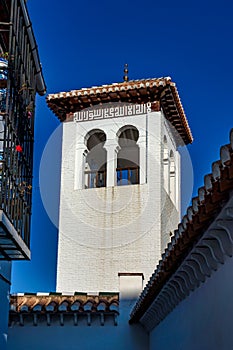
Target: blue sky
[85,43]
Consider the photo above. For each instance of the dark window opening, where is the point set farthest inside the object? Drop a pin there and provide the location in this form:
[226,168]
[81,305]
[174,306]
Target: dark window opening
[95,166]
[128,157]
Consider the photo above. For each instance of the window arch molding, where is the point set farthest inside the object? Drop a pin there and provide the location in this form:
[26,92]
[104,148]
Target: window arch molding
[92,133]
[124,129]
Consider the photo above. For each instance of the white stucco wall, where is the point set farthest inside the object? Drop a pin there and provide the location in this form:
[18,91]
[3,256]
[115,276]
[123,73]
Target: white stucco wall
[70,337]
[106,231]
[203,321]
[5,271]
[169,219]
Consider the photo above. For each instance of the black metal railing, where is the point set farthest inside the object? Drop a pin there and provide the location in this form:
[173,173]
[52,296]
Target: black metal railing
[17,102]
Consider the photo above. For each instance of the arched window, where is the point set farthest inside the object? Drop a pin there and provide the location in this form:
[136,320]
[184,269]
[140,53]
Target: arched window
[128,156]
[96,158]
[165,165]
[172,179]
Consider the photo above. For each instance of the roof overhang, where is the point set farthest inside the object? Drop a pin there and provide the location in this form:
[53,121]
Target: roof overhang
[38,308]
[161,90]
[5,10]
[40,83]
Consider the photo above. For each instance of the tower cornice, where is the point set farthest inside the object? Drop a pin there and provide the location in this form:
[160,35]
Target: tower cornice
[161,90]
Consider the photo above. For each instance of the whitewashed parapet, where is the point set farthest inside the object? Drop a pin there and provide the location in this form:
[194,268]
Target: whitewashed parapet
[202,242]
[208,254]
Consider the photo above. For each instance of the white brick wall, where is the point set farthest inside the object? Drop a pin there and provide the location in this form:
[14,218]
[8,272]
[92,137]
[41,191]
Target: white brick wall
[104,231]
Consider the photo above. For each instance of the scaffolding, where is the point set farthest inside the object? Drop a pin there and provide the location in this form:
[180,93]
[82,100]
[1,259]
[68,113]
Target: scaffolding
[20,79]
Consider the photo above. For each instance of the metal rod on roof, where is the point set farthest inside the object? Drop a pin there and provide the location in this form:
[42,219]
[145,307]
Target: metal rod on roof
[125,77]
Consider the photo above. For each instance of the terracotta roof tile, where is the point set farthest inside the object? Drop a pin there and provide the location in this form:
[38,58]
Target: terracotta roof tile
[40,306]
[135,91]
[57,302]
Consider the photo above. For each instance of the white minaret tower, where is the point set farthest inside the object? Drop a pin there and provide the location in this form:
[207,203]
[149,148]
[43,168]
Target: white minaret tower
[120,182]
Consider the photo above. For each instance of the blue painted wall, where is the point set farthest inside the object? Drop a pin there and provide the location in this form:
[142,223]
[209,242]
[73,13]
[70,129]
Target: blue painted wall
[5,278]
[203,321]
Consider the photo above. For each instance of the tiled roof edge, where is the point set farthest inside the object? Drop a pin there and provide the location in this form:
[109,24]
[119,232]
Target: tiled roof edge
[40,306]
[131,84]
[65,104]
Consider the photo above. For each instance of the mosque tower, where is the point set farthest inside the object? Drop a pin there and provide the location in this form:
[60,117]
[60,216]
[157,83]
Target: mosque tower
[120,182]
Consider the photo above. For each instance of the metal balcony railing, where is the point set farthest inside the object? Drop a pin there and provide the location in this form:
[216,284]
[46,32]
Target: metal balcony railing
[20,79]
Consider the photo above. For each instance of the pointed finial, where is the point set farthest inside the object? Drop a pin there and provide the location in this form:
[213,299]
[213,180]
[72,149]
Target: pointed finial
[125,77]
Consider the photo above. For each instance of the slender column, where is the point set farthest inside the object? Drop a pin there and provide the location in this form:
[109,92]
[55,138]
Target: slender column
[172,182]
[178,185]
[142,159]
[79,167]
[112,150]
[166,170]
